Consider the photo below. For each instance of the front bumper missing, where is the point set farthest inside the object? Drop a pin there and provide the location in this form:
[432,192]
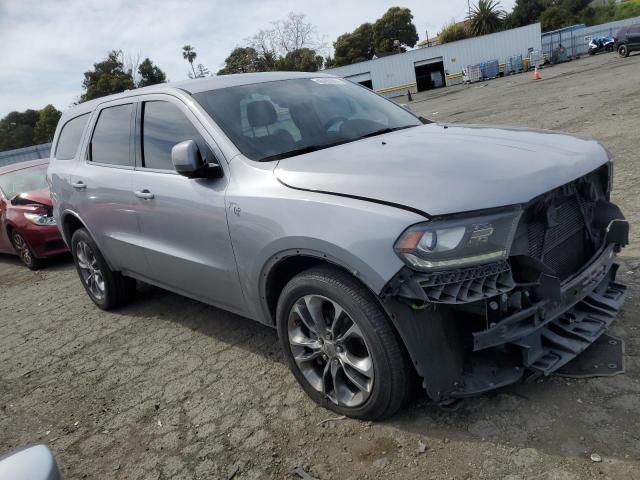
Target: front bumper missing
[531,342]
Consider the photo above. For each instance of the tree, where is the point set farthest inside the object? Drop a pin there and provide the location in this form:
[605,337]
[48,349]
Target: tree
[201,72]
[525,12]
[241,60]
[453,32]
[395,24]
[354,47]
[284,44]
[301,60]
[486,17]
[189,54]
[16,129]
[556,16]
[289,44]
[106,78]
[150,74]
[287,35]
[45,127]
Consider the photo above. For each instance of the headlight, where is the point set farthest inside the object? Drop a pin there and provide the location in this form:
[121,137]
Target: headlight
[39,219]
[458,242]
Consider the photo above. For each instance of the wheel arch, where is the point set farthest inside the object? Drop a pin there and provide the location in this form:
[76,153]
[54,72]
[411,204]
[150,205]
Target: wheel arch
[285,265]
[70,221]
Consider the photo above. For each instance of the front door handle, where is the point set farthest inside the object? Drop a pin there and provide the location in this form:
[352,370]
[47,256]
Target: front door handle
[80,185]
[146,194]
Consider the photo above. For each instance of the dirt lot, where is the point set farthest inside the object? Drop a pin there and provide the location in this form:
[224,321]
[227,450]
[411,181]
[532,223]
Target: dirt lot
[170,388]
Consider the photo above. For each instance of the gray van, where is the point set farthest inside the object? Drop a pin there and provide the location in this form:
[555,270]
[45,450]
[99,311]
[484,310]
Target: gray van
[385,249]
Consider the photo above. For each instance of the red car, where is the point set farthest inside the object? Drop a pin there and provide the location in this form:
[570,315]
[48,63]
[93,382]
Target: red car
[27,227]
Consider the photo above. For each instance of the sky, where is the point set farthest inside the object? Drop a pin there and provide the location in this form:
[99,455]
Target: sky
[47,45]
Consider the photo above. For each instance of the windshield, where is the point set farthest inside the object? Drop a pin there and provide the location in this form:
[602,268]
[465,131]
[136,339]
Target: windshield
[273,120]
[25,180]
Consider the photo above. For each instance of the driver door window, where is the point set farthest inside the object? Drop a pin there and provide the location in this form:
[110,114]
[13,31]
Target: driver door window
[163,126]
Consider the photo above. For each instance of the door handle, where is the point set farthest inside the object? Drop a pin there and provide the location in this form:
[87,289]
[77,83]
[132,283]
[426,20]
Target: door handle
[146,194]
[80,185]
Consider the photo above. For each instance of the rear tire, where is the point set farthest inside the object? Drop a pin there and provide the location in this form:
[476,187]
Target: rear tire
[106,288]
[356,350]
[24,251]
[623,51]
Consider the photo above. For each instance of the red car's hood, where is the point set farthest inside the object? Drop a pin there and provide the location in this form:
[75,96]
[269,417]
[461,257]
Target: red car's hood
[41,196]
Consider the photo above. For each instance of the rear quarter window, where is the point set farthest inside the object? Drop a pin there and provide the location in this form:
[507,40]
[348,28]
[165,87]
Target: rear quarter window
[69,138]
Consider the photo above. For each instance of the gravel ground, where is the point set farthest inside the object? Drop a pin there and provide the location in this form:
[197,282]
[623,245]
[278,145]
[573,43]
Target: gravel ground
[171,388]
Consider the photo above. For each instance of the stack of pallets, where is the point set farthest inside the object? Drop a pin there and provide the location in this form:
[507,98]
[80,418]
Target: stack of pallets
[536,59]
[472,74]
[515,64]
[490,69]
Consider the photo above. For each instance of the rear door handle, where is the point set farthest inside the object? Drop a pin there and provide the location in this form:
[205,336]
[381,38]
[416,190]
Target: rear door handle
[146,194]
[79,185]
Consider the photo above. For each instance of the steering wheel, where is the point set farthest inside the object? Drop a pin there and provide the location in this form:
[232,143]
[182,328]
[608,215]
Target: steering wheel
[329,123]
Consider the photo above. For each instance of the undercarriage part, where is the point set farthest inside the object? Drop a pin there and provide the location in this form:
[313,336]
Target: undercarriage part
[604,358]
[560,341]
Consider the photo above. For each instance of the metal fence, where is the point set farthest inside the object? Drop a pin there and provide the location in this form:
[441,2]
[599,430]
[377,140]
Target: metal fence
[23,154]
[576,41]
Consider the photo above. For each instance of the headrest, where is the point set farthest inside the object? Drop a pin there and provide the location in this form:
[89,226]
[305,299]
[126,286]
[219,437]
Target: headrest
[261,113]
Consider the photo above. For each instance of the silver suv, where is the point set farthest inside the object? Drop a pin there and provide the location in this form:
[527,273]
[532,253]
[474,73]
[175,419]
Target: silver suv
[382,247]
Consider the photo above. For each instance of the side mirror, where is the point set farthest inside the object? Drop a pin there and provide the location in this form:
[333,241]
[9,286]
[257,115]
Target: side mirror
[33,463]
[188,161]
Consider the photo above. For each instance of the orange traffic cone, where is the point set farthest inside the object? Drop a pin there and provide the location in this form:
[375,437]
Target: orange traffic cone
[536,75]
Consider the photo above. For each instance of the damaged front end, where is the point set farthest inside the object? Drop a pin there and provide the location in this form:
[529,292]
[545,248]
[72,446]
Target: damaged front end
[481,325]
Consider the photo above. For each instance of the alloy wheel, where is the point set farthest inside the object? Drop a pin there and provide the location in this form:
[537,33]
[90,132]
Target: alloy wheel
[330,350]
[90,270]
[22,249]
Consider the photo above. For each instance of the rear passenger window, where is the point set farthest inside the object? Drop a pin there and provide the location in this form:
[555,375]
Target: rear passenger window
[163,126]
[69,139]
[111,139]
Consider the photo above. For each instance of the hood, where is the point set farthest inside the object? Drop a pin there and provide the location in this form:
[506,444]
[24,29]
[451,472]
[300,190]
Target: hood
[440,169]
[35,197]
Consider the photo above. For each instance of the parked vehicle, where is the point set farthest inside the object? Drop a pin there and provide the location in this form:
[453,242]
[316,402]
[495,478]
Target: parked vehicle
[628,40]
[379,244]
[27,227]
[601,44]
[32,463]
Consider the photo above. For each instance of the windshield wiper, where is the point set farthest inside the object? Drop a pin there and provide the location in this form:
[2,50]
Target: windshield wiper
[385,130]
[297,151]
[315,148]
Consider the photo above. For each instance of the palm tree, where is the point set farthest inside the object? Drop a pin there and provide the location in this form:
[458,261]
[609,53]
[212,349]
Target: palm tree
[486,17]
[189,54]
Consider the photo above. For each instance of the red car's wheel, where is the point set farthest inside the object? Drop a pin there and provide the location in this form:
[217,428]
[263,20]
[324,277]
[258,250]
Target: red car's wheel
[24,251]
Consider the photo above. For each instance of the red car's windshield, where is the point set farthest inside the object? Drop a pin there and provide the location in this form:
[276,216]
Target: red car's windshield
[25,180]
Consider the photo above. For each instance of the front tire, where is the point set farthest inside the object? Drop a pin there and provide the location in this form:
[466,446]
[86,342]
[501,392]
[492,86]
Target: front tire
[24,251]
[106,288]
[623,51]
[340,345]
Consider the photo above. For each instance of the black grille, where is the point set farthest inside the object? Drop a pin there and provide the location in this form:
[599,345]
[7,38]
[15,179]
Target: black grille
[561,246]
